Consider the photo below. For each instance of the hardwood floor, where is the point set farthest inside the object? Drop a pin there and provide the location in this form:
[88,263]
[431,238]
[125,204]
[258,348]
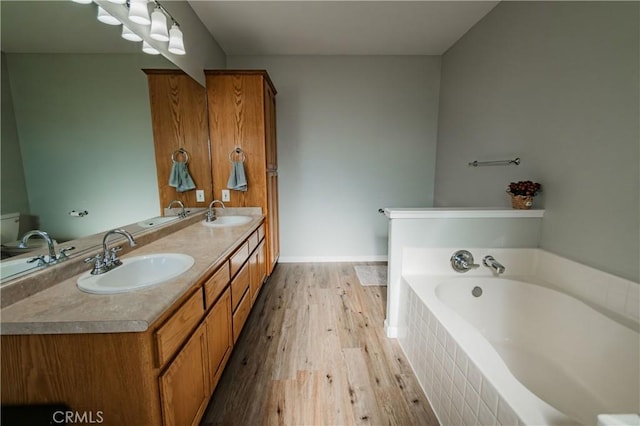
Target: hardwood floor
[313,352]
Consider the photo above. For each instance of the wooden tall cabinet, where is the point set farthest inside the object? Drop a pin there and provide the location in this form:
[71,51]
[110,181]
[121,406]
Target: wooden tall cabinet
[242,114]
[179,120]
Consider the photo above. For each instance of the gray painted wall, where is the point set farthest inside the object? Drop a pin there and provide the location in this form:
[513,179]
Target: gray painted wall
[84,124]
[14,188]
[555,83]
[355,133]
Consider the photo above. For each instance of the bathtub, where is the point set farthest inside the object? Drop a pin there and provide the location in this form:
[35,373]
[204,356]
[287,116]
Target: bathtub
[520,353]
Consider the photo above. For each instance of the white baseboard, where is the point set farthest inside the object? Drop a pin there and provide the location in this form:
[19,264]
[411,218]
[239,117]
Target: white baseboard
[326,259]
[392,332]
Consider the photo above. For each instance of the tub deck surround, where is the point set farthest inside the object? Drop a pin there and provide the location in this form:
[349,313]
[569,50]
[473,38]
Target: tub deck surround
[452,227]
[460,213]
[62,308]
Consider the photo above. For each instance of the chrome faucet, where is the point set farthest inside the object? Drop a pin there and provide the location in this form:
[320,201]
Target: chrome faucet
[491,263]
[36,233]
[109,259]
[182,213]
[211,215]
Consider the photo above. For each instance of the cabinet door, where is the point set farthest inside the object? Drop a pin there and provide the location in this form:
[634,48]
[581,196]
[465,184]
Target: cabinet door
[184,386]
[273,236]
[270,128]
[262,263]
[219,338]
[254,274]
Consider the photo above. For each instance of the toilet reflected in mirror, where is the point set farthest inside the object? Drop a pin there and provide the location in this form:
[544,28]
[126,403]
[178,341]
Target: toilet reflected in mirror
[12,226]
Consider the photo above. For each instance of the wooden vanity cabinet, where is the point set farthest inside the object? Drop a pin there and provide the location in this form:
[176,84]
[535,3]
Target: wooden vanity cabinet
[163,376]
[242,114]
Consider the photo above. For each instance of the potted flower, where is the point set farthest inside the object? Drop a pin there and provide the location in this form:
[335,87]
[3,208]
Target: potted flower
[522,193]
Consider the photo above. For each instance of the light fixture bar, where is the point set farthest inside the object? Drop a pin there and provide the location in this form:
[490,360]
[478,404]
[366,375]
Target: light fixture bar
[165,11]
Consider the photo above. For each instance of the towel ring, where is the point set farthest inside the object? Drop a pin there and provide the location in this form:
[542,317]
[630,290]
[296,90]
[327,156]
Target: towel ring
[239,152]
[178,152]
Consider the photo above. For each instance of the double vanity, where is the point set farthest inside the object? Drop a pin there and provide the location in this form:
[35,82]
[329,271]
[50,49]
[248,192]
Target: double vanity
[149,355]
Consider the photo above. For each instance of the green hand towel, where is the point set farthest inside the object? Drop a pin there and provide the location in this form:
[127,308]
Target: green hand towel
[179,178]
[237,179]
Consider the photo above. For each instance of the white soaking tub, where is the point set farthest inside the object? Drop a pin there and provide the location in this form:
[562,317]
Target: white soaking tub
[520,353]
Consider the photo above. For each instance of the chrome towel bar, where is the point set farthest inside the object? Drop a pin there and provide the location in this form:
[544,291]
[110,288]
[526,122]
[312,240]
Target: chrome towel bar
[515,161]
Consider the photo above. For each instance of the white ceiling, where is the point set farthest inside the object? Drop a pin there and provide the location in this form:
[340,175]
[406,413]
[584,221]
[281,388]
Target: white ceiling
[339,27]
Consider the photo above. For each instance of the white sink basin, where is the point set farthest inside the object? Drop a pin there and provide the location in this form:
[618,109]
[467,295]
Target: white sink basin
[136,273]
[156,221]
[9,268]
[223,221]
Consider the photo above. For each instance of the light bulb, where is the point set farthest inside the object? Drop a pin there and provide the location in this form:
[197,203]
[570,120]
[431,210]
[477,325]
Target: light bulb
[82,1]
[159,26]
[148,49]
[118,1]
[106,18]
[176,42]
[138,12]
[127,34]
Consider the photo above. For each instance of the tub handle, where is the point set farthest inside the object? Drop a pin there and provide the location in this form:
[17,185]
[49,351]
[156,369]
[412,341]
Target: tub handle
[462,261]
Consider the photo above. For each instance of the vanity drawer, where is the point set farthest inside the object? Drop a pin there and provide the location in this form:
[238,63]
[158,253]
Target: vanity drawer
[261,233]
[253,241]
[239,285]
[239,257]
[216,285]
[241,314]
[178,327]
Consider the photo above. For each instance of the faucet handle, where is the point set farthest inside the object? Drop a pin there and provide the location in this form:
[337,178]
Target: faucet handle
[62,253]
[98,265]
[112,257]
[462,261]
[40,259]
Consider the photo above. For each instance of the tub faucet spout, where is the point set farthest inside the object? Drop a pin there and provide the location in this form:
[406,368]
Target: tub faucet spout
[492,263]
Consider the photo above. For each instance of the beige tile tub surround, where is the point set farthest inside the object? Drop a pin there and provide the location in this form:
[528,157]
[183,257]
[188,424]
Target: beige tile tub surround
[63,308]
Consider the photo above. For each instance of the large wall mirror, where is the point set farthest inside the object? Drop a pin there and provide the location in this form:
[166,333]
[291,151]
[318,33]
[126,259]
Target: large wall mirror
[76,121]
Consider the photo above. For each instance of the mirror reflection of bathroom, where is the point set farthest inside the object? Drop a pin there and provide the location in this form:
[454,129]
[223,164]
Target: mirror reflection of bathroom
[13,226]
[76,124]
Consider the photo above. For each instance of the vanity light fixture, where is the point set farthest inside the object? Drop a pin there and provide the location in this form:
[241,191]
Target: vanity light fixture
[127,34]
[176,41]
[138,12]
[106,18]
[148,49]
[159,25]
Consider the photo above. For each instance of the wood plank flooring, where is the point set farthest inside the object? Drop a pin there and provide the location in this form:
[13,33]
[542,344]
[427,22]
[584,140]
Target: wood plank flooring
[313,352]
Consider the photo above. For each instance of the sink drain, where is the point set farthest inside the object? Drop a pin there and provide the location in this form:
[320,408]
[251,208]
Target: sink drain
[477,291]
